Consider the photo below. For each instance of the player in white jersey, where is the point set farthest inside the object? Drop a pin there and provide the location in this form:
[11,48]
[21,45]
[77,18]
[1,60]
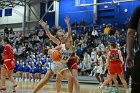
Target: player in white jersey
[60,67]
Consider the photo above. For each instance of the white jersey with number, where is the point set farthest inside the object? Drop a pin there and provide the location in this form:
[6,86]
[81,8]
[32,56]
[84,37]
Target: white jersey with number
[66,54]
[58,67]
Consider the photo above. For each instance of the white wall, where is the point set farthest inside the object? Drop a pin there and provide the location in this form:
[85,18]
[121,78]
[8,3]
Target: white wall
[17,16]
[16,19]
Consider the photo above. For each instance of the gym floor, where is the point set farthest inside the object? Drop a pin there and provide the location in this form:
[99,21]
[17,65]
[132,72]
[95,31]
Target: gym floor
[27,87]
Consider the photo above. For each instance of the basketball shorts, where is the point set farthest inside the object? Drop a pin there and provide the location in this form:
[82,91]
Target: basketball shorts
[57,68]
[72,64]
[7,65]
[115,68]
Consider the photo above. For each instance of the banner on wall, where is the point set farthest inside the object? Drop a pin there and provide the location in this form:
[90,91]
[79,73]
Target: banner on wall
[0,13]
[8,12]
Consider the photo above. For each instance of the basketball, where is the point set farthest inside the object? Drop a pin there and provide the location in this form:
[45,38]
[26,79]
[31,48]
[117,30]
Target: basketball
[56,56]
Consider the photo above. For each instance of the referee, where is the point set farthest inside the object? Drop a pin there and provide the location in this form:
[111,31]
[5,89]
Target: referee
[134,26]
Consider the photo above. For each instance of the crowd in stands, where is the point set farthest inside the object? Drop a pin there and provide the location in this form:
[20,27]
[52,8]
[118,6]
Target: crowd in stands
[91,47]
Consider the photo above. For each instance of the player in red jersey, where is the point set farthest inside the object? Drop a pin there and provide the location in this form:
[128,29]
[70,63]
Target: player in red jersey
[72,63]
[8,65]
[115,60]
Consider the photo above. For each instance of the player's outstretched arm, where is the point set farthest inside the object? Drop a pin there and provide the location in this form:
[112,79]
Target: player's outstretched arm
[67,21]
[44,25]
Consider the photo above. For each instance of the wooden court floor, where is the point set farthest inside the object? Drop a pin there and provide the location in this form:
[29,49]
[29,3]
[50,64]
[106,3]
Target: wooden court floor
[27,87]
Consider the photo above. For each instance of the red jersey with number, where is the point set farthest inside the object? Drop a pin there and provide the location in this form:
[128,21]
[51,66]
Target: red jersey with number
[8,57]
[114,56]
[8,52]
[115,66]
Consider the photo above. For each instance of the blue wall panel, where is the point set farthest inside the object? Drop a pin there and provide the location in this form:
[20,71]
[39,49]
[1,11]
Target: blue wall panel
[120,17]
[42,9]
[0,13]
[67,8]
[113,14]
[50,17]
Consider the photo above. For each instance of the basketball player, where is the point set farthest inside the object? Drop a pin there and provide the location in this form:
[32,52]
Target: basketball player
[99,75]
[72,63]
[115,60]
[60,67]
[8,65]
[109,88]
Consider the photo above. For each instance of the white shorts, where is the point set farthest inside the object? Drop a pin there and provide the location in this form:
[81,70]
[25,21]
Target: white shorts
[57,68]
[100,70]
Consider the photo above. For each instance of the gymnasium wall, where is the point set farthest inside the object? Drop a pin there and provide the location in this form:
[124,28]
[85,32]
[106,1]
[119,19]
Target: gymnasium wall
[115,14]
[16,19]
[17,16]
[67,8]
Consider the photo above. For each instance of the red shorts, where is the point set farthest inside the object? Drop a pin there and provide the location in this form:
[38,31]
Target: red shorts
[115,68]
[72,63]
[7,65]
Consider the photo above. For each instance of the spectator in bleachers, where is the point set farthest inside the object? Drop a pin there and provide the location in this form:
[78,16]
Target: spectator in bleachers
[79,51]
[6,31]
[86,64]
[101,46]
[76,43]
[83,23]
[41,33]
[94,33]
[54,29]
[75,24]
[20,51]
[35,38]
[94,55]
[106,32]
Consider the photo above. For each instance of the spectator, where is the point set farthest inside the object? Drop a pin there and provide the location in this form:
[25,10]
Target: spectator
[107,30]
[79,51]
[6,31]
[86,69]
[94,55]
[75,24]
[83,23]
[94,33]
[101,46]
